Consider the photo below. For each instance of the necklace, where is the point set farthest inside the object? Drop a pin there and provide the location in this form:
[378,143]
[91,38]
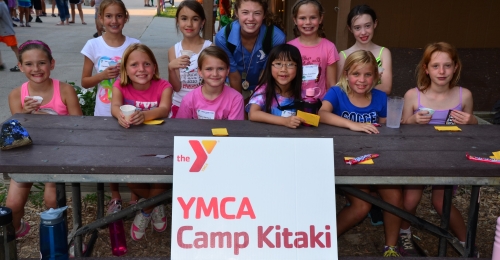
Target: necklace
[245,85]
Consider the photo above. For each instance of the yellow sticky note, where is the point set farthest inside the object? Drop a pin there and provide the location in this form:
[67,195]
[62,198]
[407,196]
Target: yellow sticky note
[496,155]
[369,161]
[453,128]
[311,119]
[153,122]
[220,132]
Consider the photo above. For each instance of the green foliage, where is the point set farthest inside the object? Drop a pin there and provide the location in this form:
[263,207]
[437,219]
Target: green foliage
[86,97]
[90,198]
[169,12]
[3,193]
[36,197]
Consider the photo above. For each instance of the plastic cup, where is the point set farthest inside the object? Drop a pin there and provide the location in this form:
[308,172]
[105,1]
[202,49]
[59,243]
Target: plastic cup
[394,111]
[187,52]
[38,99]
[127,111]
[431,111]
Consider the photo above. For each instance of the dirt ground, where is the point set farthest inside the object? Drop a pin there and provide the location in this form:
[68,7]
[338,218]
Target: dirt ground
[362,240]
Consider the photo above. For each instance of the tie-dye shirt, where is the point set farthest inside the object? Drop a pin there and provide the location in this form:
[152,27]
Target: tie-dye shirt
[259,98]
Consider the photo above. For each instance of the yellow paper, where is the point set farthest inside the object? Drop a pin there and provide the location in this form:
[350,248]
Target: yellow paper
[496,155]
[448,128]
[220,132]
[369,161]
[153,122]
[311,119]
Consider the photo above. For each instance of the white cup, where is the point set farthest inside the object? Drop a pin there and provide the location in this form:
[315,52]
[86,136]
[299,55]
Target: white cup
[430,110]
[127,111]
[38,99]
[187,52]
[394,111]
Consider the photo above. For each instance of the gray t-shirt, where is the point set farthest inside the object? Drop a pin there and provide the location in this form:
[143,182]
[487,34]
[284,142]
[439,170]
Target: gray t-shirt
[5,20]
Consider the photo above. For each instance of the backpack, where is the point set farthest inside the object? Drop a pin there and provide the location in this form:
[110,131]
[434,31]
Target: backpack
[267,42]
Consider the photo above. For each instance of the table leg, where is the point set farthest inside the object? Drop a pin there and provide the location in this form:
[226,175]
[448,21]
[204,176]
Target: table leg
[445,217]
[472,221]
[61,199]
[77,216]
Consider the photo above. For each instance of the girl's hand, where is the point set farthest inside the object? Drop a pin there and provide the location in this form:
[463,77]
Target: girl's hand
[363,127]
[30,106]
[137,118]
[293,121]
[122,121]
[462,118]
[111,72]
[422,117]
[180,63]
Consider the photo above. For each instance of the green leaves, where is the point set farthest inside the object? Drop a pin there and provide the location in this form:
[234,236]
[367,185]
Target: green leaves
[86,97]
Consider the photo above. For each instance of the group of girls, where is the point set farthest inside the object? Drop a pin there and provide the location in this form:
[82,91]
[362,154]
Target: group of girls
[353,87]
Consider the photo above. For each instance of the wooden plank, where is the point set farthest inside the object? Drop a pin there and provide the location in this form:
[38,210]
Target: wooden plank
[342,33]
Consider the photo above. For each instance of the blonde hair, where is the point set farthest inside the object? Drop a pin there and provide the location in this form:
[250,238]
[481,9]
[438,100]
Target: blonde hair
[105,3]
[124,79]
[423,80]
[358,59]
[213,51]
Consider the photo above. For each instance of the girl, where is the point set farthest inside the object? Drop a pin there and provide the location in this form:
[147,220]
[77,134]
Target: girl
[182,68]
[78,4]
[104,55]
[437,78]
[279,87]
[362,22]
[140,85]
[355,105]
[24,12]
[319,55]
[213,100]
[246,43]
[62,7]
[35,60]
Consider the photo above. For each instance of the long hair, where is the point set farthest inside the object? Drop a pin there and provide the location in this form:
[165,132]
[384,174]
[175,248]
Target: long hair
[423,80]
[105,3]
[194,6]
[283,52]
[321,12]
[124,79]
[270,18]
[360,10]
[356,60]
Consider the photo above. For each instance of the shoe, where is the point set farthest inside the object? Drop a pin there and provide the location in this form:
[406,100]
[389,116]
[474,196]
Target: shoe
[53,15]
[391,251]
[376,216]
[21,24]
[43,14]
[28,25]
[15,69]
[95,35]
[15,19]
[115,205]
[138,227]
[158,218]
[71,21]
[31,19]
[405,245]
[14,25]
[2,67]
[24,229]
[38,20]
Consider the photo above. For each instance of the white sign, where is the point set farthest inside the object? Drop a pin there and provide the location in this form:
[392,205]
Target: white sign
[253,198]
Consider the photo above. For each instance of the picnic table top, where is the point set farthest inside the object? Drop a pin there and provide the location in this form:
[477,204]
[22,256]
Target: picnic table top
[97,146]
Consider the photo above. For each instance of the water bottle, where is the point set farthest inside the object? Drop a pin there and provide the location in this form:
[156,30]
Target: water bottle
[496,244]
[117,236]
[53,235]
[311,101]
[8,250]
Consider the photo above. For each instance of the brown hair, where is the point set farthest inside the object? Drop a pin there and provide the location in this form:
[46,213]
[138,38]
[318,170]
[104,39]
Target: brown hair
[269,18]
[105,3]
[124,79]
[321,11]
[193,6]
[423,80]
[354,60]
[34,45]
[213,51]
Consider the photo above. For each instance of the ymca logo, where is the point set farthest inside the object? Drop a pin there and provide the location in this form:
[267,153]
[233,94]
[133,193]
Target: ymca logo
[202,150]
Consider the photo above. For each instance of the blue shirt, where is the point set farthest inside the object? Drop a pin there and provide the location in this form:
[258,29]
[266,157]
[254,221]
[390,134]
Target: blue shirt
[242,57]
[343,107]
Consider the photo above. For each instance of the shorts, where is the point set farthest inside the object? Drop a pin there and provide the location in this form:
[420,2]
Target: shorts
[74,1]
[11,3]
[10,40]
[24,4]
[37,4]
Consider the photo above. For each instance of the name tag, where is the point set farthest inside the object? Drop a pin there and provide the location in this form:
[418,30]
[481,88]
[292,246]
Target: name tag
[287,113]
[205,114]
[310,72]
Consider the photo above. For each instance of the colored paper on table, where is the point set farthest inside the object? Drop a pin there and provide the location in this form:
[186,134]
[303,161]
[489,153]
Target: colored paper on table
[496,155]
[311,119]
[448,128]
[369,161]
[219,132]
[153,122]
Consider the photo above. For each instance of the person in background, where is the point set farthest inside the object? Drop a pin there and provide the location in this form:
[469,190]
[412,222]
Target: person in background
[7,34]
[78,4]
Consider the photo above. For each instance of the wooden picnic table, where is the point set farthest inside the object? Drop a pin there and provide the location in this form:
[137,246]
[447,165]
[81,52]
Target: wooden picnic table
[97,149]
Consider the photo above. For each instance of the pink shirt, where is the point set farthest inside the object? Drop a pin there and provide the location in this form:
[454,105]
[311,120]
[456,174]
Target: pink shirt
[227,106]
[143,99]
[55,106]
[315,60]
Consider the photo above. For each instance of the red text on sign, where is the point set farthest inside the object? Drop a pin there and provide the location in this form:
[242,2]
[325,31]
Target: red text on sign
[289,239]
[216,209]
[239,239]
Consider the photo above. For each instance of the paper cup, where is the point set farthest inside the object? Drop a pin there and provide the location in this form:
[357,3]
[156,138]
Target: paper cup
[431,111]
[127,111]
[38,99]
[187,52]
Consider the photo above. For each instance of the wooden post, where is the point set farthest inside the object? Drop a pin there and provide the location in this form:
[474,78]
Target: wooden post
[208,6]
[342,31]
[288,21]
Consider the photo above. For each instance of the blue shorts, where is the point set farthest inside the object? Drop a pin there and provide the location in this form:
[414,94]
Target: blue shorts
[24,4]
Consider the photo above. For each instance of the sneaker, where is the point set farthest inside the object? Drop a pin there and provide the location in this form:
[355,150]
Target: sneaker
[138,227]
[16,68]
[405,245]
[391,251]
[43,14]
[38,20]
[28,25]
[158,218]
[2,67]
[21,24]
[14,25]
[376,216]
[23,230]
[31,19]
[15,19]
[114,206]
